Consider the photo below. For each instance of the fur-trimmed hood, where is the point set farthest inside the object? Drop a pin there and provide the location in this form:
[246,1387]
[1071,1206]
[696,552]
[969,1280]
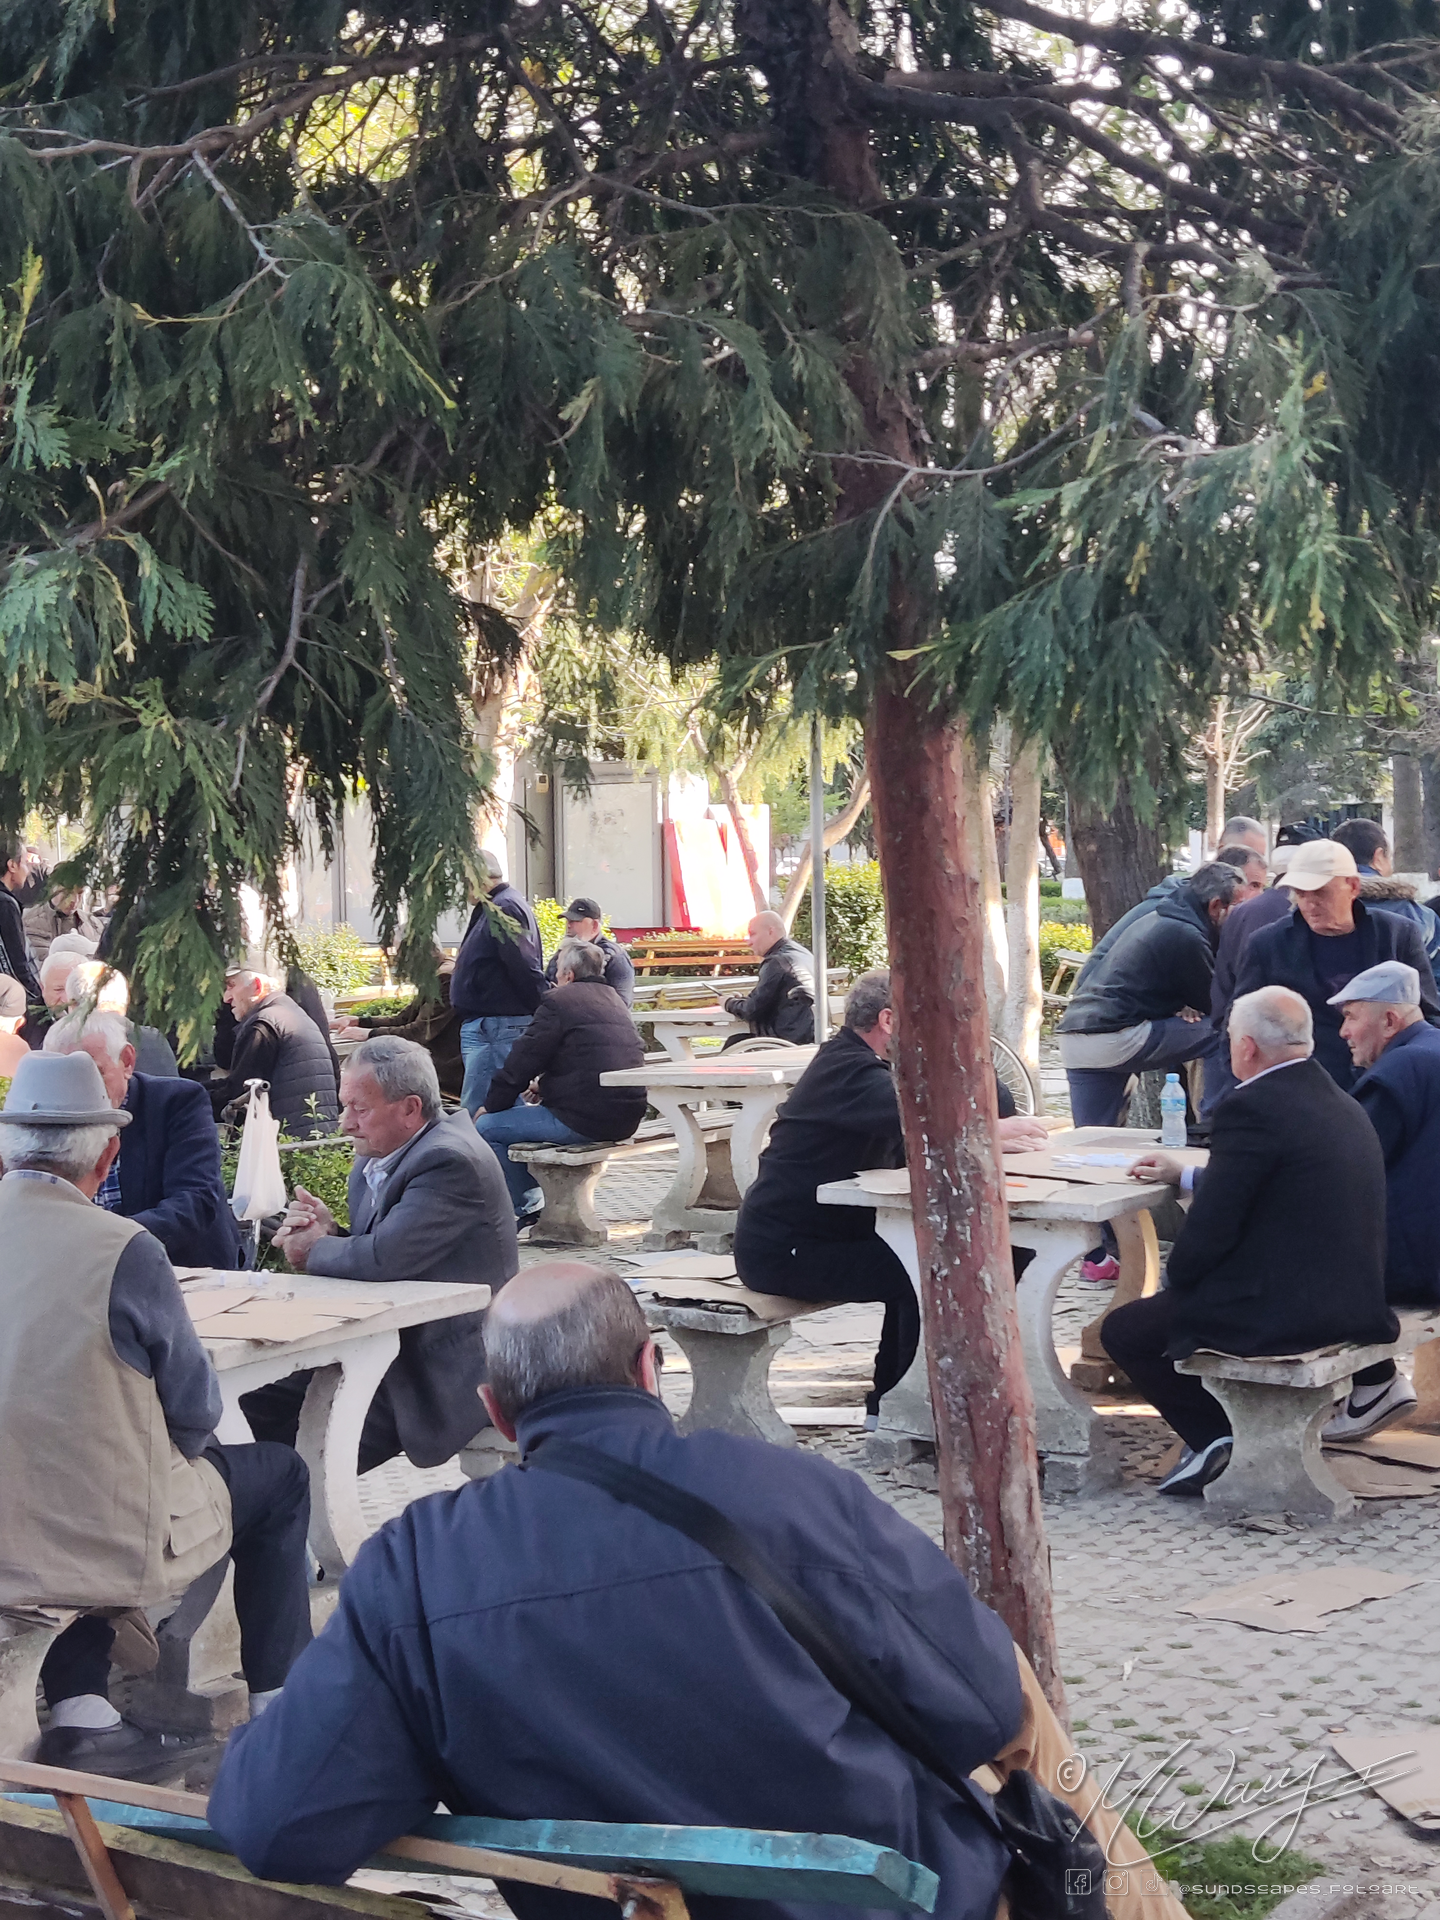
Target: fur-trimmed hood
[1378,889]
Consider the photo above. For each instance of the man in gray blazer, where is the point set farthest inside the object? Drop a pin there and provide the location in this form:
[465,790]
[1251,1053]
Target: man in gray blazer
[427,1202]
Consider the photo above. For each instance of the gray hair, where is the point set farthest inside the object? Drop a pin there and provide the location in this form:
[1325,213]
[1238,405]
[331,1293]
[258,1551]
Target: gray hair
[70,1034]
[399,1068]
[1277,1020]
[64,962]
[1214,881]
[580,958]
[593,1342]
[1237,826]
[867,999]
[97,980]
[70,1152]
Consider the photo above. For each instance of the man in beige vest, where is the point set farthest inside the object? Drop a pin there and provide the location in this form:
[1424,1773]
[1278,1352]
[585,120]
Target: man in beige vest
[114,1493]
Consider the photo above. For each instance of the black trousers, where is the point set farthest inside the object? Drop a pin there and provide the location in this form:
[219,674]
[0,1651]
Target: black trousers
[1135,1337]
[270,1517]
[863,1269]
[274,1414]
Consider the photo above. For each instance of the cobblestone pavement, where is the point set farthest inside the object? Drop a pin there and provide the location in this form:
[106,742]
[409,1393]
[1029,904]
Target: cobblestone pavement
[1195,1713]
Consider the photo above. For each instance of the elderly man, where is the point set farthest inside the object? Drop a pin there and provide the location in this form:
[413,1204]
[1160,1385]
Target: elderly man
[498,980]
[96,984]
[1379,886]
[1249,863]
[1283,1249]
[427,1202]
[781,1004]
[580,1030]
[489,1644]
[584,921]
[276,1040]
[1398,1056]
[1329,937]
[430,1023]
[60,912]
[114,1493]
[843,1116]
[167,1174]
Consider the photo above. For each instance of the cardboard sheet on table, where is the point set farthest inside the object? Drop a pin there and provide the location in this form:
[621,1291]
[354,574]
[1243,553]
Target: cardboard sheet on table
[712,1293]
[1018,1188]
[1298,1602]
[684,1264]
[1402,1766]
[1043,1163]
[203,1303]
[278,1321]
[884,1180]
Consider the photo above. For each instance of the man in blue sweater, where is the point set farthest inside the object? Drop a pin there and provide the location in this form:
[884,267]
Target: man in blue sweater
[498,981]
[1398,1054]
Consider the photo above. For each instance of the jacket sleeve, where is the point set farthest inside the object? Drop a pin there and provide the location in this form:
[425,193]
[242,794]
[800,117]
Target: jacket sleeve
[526,974]
[619,974]
[434,1216]
[1241,1158]
[765,996]
[194,1187]
[531,1054]
[1194,973]
[151,1331]
[332,1771]
[1251,971]
[253,1059]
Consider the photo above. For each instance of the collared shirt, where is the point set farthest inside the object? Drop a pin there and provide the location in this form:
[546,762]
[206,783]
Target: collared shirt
[109,1192]
[38,1173]
[375,1170]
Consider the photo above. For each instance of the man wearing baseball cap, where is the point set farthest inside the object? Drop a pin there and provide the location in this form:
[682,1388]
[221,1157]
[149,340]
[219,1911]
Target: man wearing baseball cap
[1328,938]
[584,921]
[1398,1055]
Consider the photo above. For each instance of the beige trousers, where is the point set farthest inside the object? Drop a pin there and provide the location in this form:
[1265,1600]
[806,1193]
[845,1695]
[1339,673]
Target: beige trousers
[1135,1890]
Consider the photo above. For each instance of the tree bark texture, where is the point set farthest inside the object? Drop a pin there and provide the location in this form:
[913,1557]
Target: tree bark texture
[1020,1023]
[984,1415]
[1409,849]
[981,809]
[1120,857]
[730,793]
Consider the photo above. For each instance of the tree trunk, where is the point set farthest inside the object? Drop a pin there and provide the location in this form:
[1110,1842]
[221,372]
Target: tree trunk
[1214,799]
[730,792]
[1409,849]
[1430,787]
[1020,1024]
[1120,857]
[997,956]
[836,828]
[984,1415]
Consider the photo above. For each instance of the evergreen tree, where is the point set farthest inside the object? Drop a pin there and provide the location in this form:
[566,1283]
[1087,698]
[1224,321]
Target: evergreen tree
[914,360]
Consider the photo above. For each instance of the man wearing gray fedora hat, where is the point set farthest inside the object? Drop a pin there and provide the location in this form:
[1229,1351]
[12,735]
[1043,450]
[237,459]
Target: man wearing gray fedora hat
[114,1493]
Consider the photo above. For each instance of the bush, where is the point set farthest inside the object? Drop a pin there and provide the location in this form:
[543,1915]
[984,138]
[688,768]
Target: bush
[1068,913]
[854,918]
[335,957]
[1055,934]
[1051,889]
[323,1171]
[550,915]
[381,1009]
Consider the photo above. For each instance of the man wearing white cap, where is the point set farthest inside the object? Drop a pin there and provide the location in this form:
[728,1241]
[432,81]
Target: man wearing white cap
[1329,938]
[1398,1055]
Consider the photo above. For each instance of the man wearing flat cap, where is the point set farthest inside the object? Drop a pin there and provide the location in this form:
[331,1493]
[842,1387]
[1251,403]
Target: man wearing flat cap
[584,921]
[114,1494]
[1398,1057]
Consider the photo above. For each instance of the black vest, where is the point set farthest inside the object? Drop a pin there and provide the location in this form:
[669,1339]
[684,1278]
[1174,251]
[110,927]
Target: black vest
[302,1067]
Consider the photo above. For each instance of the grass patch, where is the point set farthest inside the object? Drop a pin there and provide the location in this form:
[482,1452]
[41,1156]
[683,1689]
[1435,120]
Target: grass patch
[1252,1886]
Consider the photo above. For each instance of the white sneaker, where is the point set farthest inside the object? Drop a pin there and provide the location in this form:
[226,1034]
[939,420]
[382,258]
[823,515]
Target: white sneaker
[1369,1409]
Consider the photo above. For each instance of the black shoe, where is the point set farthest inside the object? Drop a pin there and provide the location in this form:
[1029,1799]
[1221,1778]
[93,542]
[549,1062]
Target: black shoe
[1194,1471]
[123,1752]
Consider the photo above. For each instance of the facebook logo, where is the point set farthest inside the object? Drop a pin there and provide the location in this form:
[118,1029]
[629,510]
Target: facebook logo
[1077,1881]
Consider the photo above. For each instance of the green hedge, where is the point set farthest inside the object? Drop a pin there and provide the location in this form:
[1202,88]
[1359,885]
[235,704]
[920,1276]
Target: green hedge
[323,1171]
[335,957]
[854,917]
[1055,934]
[381,1009]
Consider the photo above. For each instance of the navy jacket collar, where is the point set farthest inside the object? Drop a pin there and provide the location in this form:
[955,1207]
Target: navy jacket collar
[1406,1037]
[575,1413]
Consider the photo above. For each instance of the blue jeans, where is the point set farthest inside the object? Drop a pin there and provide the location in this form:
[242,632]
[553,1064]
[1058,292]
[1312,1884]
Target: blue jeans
[530,1124]
[485,1047]
[1096,1092]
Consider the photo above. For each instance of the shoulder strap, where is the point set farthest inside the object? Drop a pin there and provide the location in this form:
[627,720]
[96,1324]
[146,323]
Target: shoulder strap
[841,1665]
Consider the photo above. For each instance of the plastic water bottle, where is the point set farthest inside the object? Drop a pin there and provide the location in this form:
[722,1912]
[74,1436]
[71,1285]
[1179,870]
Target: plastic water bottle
[1172,1112]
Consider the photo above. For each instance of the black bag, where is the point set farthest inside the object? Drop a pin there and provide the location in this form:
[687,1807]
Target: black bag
[1057,1867]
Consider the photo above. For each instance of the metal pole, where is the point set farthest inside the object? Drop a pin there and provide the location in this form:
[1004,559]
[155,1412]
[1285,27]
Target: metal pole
[817,884]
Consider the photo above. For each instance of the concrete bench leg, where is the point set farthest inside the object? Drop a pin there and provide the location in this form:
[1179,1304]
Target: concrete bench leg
[1277,1465]
[23,1648]
[731,1374]
[570,1217]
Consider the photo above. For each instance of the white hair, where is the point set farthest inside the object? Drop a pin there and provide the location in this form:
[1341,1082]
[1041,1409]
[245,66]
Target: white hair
[74,943]
[1277,1020]
[399,1069]
[111,990]
[57,964]
[70,1152]
[70,1034]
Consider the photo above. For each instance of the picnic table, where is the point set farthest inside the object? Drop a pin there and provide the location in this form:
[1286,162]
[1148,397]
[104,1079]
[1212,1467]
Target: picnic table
[704,1196]
[1060,1219]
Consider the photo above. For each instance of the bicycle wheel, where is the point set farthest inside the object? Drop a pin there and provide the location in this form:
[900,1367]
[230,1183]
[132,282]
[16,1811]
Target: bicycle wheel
[1016,1076]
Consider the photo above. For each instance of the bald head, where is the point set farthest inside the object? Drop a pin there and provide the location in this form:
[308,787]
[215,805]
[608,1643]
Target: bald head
[558,1326]
[765,929]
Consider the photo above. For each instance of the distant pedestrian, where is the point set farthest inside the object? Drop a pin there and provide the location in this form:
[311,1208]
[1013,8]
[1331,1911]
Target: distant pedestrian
[61,912]
[498,981]
[14,880]
[584,921]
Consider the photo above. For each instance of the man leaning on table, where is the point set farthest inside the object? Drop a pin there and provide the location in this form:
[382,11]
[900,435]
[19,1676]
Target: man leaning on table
[427,1201]
[1283,1249]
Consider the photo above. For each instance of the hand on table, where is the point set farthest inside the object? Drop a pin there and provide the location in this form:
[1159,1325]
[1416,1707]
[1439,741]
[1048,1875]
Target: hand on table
[307,1220]
[1023,1133]
[1158,1169]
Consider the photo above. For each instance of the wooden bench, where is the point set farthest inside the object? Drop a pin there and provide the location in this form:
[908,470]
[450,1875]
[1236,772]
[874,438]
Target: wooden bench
[1067,961]
[664,953]
[730,1350]
[154,1845]
[568,1176]
[1277,1405]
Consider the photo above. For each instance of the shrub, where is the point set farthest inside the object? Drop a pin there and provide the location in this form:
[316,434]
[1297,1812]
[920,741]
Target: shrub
[335,957]
[1055,934]
[550,915]
[323,1171]
[382,1008]
[1067,913]
[854,917]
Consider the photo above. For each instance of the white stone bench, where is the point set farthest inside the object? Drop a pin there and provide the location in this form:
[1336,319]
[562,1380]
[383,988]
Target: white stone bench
[568,1176]
[26,1636]
[730,1350]
[1277,1406]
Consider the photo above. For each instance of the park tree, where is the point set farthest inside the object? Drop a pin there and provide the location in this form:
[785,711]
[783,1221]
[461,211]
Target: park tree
[920,362]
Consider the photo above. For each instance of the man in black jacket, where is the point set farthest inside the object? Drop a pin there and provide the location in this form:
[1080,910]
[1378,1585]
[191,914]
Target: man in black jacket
[581,1029]
[14,952]
[1144,1006]
[498,981]
[584,921]
[1329,937]
[843,1117]
[1284,1247]
[781,1005]
[279,1042]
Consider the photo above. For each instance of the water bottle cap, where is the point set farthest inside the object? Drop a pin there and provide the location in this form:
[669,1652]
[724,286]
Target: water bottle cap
[1172,1079]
